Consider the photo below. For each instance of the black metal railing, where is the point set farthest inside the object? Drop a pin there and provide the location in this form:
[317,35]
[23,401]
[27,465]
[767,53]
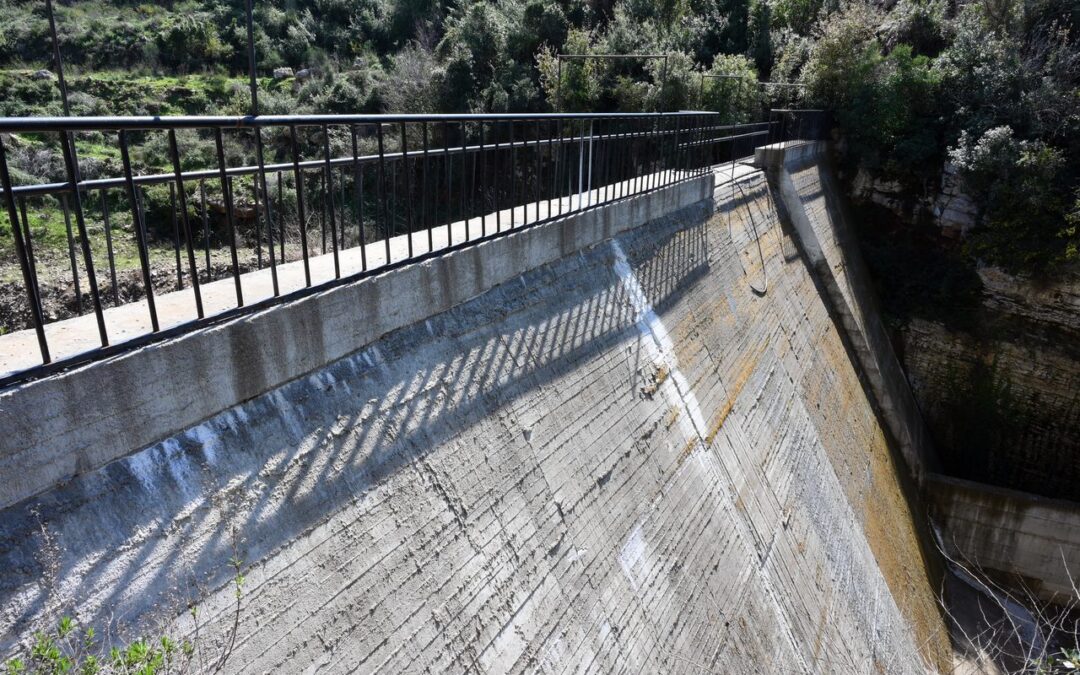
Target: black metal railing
[242,212]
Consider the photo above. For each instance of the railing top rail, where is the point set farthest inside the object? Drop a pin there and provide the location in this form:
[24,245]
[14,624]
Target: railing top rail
[38,189]
[114,123]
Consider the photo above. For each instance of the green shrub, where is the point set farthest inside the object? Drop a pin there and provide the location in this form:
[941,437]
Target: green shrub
[887,105]
[191,41]
[735,93]
[1025,213]
[72,649]
[797,15]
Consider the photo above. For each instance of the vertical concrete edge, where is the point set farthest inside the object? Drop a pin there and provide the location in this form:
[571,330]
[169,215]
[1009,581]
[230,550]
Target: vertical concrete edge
[874,353]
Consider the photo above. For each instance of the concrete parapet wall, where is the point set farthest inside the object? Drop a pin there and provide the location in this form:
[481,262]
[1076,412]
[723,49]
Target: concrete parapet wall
[635,443]
[62,426]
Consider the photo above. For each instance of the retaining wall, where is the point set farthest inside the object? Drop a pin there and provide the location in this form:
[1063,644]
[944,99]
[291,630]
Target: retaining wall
[1026,540]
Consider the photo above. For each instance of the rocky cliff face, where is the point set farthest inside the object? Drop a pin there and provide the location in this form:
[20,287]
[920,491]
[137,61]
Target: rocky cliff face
[994,362]
[1003,397]
[947,204]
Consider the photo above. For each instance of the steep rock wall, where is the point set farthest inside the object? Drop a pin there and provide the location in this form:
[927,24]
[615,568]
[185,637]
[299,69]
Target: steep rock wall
[639,458]
[1004,397]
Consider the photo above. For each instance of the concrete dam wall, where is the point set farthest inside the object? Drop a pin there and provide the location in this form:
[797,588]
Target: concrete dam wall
[645,438]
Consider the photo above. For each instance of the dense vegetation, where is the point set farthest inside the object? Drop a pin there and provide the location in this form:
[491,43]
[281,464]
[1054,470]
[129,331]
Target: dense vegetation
[990,85]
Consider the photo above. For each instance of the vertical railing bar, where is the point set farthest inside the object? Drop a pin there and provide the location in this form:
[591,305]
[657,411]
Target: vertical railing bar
[328,196]
[342,211]
[662,142]
[673,173]
[449,182]
[175,218]
[703,156]
[72,164]
[539,170]
[677,157]
[301,216]
[281,216]
[552,161]
[699,138]
[139,226]
[322,208]
[29,243]
[471,191]
[588,182]
[407,179]
[613,162]
[687,142]
[206,226]
[495,179]
[646,154]
[642,139]
[261,178]
[482,161]
[464,213]
[581,164]
[109,245]
[259,181]
[29,278]
[650,154]
[181,195]
[615,141]
[686,158]
[358,182]
[559,165]
[665,152]
[71,253]
[230,221]
[61,83]
[393,198]
[428,222]
[382,190]
[733,160]
[258,223]
[569,170]
[620,157]
[513,175]
[603,159]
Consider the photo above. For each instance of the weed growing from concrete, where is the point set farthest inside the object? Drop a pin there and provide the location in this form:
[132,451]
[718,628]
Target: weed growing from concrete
[72,648]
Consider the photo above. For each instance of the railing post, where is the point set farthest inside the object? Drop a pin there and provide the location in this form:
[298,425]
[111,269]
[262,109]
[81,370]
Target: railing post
[588,184]
[140,230]
[298,176]
[580,164]
[226,193]
[24,261]
[71,163]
